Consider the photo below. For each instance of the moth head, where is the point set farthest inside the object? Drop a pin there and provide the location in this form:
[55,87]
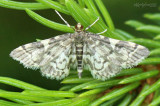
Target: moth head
[78,27]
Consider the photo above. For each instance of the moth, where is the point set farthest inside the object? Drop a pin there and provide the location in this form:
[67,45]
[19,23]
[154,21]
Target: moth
[104,57]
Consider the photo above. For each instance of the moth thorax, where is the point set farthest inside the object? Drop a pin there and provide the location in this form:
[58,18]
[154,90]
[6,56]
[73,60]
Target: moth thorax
[78,27]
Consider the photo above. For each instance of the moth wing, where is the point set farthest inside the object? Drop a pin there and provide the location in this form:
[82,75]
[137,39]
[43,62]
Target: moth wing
[44,53]
[58,68]
[105,57]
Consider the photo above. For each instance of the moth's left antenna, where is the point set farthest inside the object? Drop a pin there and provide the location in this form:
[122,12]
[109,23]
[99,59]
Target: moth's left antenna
[92,24]
[63,19]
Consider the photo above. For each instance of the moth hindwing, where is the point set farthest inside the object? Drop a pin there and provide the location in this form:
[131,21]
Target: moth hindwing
[103,56]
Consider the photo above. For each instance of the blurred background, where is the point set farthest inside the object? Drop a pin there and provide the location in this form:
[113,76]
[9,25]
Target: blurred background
[17,28]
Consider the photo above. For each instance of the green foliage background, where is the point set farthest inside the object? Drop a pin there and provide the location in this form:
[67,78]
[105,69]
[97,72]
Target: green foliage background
[17,28]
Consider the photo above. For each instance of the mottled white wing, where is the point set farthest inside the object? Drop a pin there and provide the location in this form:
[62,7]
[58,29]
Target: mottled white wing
[105,57]
[47,55]
[58,68]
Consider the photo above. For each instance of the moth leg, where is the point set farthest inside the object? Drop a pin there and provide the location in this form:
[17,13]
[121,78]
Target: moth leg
[102,32]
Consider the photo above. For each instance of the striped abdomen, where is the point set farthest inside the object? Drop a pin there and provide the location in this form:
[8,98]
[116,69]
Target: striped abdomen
[79,56]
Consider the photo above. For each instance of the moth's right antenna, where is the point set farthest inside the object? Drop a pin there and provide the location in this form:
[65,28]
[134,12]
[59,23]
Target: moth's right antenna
[63,19]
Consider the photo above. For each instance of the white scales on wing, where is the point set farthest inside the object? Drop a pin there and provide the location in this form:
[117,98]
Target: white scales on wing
[103,56]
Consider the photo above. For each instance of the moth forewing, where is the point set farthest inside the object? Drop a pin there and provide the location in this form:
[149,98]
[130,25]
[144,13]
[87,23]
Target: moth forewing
[106,56]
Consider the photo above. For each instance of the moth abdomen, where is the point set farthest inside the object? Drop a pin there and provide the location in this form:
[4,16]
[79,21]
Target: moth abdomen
[79,56]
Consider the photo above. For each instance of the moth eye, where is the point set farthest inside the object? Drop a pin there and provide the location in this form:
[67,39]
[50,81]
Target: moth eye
[75,26]
[81,26]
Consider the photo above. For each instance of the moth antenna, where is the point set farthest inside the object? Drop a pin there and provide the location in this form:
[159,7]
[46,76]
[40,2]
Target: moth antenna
[102,32]
[63,19]
[92,24]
